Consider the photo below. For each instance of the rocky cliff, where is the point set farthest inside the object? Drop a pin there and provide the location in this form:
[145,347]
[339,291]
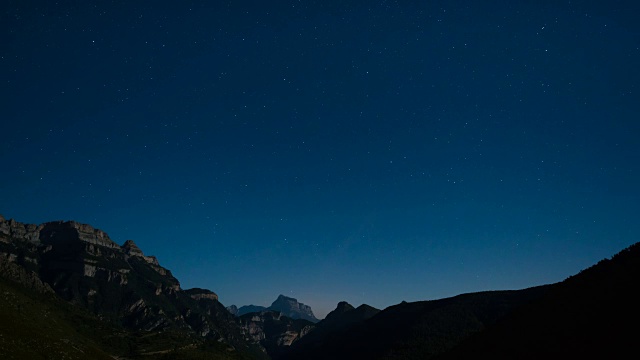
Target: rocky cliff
[199,294]
[273,331]
[120,284]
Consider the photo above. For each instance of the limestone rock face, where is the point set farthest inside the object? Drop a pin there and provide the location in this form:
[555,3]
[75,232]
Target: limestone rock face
[130,248]
[93,236]
[199,294]
[23,232]
[307,329]
[82,265]
[64,231]
[18,274]
[273,331]
[287,338]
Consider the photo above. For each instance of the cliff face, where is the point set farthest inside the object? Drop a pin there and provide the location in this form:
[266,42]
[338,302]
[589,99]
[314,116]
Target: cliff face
[273,331]
[84,266]
[199,294]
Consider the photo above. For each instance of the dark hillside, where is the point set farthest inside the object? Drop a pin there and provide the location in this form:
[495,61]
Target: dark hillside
[590,315]
[417,330]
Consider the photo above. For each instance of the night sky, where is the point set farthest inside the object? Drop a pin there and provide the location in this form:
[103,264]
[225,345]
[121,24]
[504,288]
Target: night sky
[372,152]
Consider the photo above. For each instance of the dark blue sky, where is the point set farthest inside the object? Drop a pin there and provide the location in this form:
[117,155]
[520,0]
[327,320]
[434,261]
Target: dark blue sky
[365,151]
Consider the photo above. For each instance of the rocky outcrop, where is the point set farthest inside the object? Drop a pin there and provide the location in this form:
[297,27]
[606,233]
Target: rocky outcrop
[199,294]
[88,234]
[17,274]
[130,248]
[16,230]
[63,231]
[273,331]
[47,232]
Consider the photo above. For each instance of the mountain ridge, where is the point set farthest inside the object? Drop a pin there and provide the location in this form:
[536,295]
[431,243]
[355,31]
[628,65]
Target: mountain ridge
[410,330]
[591,312]
[288,306]
[113,300]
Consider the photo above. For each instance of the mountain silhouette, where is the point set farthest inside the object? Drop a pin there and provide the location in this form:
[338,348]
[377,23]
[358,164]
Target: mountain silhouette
[68,291]
[589,315]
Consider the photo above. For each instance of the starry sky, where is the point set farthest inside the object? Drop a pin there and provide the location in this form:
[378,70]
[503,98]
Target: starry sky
[367,151]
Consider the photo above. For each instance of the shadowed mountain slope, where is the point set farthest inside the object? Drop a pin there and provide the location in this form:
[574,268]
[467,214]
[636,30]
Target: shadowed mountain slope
[412,330]
[590,315]
[326,331]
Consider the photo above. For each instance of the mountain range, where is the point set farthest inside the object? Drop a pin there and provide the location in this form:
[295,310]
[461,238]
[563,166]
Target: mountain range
[68,291]
[286,305]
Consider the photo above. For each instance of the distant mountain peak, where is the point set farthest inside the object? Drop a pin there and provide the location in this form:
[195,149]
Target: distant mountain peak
[232,309]
[285,298]
[288,306]
[292,308]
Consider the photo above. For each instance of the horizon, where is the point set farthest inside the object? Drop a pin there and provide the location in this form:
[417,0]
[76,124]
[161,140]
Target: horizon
[328,151]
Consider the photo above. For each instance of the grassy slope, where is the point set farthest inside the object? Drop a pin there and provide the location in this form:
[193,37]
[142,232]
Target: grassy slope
[32,328]
[36,326]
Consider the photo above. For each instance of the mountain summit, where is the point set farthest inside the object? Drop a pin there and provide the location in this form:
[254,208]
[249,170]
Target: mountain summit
[289,307]
[292,308]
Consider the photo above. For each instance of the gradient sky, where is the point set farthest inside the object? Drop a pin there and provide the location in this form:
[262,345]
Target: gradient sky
[372,152]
